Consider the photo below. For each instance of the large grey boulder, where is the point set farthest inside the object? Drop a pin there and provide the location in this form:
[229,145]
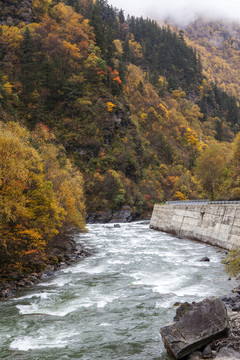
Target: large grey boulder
[227,354]
[195,326]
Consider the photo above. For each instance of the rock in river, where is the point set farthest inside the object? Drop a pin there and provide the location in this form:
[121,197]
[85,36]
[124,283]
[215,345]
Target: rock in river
[195,326]
[205,259]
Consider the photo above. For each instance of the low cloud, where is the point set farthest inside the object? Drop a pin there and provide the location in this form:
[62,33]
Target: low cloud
[181,11]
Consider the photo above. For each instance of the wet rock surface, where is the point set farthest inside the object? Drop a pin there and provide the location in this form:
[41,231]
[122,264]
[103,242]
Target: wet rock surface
[205,259]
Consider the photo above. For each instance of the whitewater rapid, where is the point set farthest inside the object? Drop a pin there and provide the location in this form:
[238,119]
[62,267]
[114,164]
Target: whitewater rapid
[111,305]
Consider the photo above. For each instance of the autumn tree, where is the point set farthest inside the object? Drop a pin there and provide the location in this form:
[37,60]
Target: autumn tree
[234,186]
[210,169]
[41,197]
[66,180]
[30,215]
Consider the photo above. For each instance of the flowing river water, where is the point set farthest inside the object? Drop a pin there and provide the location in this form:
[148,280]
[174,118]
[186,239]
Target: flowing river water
[111,305]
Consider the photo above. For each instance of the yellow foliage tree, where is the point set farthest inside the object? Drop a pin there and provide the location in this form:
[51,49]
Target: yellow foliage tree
[29,213]
[41,196]
[135,48]
[210,168]
[41,7]
[67,181]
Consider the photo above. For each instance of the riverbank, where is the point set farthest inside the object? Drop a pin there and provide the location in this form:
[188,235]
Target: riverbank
[232,302]
[63,252]
[209,329]
[228,347]
[124,215]
[213,224]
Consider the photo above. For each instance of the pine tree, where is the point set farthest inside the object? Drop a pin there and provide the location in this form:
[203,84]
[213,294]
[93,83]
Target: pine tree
[121,16]
[27,62]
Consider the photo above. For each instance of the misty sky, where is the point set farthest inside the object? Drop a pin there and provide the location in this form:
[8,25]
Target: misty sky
[181,10]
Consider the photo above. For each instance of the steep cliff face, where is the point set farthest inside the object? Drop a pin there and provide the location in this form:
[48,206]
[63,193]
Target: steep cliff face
[13,12]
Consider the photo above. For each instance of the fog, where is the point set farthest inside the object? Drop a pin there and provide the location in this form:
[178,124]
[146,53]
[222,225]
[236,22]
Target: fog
[181,11]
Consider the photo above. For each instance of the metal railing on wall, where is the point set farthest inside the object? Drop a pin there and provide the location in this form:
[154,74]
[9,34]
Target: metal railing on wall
[200,202]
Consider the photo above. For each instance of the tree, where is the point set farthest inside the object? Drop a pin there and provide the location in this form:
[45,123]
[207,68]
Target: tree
[66,180]
[234,186]
[41,7]
[121,16]
[41,196]
[27,62]
[210,168]
[29,212]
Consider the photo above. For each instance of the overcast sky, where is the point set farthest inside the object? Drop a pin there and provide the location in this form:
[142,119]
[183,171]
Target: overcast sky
[181,10]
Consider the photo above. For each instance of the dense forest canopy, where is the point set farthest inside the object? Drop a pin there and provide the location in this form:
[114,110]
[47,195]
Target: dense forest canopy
[113,109]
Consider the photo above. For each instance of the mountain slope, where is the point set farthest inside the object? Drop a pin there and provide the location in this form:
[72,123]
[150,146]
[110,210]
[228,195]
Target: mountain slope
[218,43]
[125,97]
[121,103]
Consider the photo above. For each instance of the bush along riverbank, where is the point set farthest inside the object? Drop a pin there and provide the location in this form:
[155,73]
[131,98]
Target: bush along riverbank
[62,253]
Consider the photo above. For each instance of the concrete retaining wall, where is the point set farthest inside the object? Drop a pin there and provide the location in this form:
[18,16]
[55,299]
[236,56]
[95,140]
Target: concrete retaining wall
[217,225]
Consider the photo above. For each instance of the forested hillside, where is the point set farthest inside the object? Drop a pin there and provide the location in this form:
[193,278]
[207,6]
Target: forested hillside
[218,43]
[119,102]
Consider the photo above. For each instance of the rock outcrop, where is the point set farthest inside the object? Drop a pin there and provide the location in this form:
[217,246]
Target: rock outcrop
[119,216]
[195,326]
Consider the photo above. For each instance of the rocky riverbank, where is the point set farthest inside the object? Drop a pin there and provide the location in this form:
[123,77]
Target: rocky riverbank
[123,215]
[209,329]
[228,347]
[63,253]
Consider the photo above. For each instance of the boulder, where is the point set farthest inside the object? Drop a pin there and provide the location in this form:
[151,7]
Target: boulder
[122,216]
[195,326]
[205,259]
[147,222]
[227,354]
[207,352]
[197,355]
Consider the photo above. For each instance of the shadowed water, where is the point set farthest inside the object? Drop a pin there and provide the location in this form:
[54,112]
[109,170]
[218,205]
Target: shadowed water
[111,305]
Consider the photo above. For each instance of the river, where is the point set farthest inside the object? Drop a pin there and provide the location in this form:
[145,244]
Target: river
[111,305]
